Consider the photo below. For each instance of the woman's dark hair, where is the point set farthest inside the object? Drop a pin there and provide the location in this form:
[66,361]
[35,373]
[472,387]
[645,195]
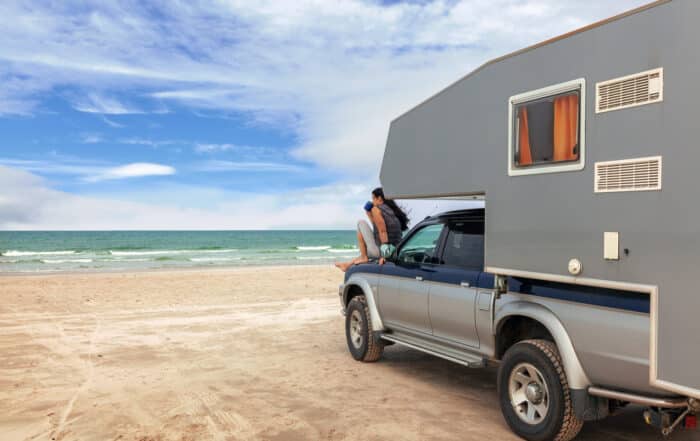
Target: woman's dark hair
[400,215]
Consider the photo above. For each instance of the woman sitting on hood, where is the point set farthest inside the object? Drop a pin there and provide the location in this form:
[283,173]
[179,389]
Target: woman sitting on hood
[389,222]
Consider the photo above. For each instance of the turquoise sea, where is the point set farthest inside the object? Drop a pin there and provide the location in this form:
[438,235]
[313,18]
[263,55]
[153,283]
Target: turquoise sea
[54,251]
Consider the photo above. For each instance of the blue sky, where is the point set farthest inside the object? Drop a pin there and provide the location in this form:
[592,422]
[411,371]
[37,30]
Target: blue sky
[229,114]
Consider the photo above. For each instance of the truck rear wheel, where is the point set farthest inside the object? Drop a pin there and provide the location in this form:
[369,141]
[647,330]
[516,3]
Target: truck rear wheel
[358,331]
[534,393]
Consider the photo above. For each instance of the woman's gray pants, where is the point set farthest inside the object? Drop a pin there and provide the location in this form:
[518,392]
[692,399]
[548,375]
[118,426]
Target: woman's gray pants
[368,236]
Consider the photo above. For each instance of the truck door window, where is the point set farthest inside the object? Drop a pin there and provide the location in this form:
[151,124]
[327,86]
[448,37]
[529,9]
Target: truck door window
[422,246]
[464,246]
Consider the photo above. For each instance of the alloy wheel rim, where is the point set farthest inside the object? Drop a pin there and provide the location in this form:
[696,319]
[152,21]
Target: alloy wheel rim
[528,393]
[356,325]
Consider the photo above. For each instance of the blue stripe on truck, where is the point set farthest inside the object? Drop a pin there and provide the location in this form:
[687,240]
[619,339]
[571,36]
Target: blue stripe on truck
[609,298]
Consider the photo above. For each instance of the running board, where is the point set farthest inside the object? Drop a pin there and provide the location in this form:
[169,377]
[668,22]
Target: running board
[468,360]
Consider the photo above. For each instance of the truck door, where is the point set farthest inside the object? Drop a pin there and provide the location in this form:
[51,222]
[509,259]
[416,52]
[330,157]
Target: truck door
[405,284]
[453,291]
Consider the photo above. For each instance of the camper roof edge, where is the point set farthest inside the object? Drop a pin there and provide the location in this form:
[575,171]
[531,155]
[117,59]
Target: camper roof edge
[538,45]
[472,196]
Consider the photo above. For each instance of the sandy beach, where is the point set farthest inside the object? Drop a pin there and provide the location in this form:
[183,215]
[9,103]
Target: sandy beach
[228,354]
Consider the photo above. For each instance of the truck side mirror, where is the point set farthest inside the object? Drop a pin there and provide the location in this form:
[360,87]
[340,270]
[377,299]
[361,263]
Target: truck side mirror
[388,252]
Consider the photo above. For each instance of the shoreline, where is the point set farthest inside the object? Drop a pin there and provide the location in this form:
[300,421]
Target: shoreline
[114,252]
[188,269]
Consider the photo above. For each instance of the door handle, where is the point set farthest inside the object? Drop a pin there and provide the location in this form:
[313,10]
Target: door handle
[465,284]
[419,278]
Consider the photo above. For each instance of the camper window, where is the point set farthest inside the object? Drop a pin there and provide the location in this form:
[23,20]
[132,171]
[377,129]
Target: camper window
[547,130]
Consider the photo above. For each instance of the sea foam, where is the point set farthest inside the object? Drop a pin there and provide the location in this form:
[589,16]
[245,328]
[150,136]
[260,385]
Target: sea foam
[66,260]
[14,253]
[214,259]
[314,248]
[343,250]
[163,252]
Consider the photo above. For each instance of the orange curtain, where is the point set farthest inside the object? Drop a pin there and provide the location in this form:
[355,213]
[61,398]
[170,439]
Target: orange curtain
[525,154]
[565,128]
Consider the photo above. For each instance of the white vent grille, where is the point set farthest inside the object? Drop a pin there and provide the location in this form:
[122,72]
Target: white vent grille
[641,174]
[630,91]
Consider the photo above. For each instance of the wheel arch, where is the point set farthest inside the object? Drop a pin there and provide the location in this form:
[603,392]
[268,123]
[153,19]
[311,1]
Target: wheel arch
[359,286]
[545,318]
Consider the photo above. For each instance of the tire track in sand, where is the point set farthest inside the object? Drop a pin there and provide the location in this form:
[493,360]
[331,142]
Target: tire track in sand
[56,434]
[227,424]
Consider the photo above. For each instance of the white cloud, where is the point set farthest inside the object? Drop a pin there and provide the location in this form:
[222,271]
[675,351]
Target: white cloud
[94,103]
[213,148]
[135,170]
[332,74]
[56,166]
[247,151]
[87,170]
[335,72]
[246,166]
[111,123]
[247,158]
[18,92]
[27,202]
[91,138]
[150,142]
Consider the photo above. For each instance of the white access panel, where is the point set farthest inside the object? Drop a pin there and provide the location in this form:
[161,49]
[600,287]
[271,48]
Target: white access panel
[611,245]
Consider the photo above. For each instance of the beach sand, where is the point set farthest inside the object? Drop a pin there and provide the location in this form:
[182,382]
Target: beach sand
[230,354]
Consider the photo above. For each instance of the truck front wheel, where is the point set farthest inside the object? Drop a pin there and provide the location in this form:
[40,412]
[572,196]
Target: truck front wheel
[358,331]
[534,393]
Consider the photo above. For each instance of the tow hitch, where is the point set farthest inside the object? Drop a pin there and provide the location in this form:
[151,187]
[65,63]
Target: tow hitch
[669,420]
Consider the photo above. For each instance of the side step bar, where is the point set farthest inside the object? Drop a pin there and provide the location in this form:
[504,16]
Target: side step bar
[472,361]
[666,403]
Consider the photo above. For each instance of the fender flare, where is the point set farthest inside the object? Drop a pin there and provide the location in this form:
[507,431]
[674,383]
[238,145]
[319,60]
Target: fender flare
[363,284]
[575,374]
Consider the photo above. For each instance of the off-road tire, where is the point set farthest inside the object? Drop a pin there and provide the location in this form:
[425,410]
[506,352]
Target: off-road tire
[560,422]
[370,349]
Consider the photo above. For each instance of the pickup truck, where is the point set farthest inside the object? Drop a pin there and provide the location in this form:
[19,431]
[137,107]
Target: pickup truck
[557,346]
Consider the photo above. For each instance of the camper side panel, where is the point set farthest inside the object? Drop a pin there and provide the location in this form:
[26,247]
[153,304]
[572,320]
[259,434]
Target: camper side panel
[457,143]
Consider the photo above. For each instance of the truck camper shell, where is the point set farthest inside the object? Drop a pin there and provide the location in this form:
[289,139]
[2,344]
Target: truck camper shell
[586,149]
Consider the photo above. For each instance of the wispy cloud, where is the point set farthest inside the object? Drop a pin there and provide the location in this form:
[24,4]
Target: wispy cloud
[135,170]
[111,123]
[329,76]
[246,166]
[154,143]
[87,170]
[302,64]
[19,93]
[214,148]
[56,166]
[91,138]
[95,103]
[249,154]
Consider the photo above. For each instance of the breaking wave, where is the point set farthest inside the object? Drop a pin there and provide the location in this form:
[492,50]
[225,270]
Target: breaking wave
[343,250]
[14,253]
[214,259]
[66,260]
[165,252]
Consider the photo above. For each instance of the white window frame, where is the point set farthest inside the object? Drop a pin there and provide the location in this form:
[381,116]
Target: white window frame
[569,86]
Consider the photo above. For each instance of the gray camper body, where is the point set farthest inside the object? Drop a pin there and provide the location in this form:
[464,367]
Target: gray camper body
[537,225]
